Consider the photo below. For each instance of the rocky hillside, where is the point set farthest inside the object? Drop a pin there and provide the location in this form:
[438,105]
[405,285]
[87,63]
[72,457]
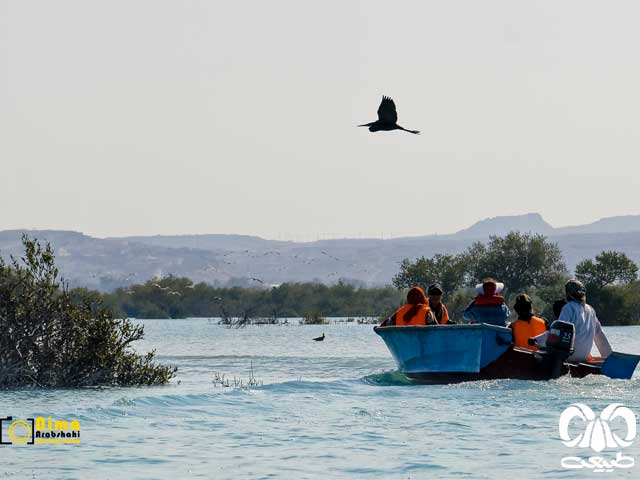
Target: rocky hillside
[106,263]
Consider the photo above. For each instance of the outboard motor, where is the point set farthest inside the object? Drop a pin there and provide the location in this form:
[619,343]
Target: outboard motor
[560,345]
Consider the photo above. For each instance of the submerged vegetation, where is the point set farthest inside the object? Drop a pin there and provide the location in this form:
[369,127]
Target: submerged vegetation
[56,338]
[222,380]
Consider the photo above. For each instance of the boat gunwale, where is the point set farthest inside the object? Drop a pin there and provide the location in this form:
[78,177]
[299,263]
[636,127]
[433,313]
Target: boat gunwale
[465,326]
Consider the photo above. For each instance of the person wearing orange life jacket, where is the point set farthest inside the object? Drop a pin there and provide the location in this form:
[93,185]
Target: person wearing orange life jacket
[415,312]
[527,325]
[435,304]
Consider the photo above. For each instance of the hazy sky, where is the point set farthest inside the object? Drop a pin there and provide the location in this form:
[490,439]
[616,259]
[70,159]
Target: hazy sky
[145,117]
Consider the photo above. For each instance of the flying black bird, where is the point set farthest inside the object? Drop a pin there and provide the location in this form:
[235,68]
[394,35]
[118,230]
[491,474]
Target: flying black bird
[319,339]
[387,118]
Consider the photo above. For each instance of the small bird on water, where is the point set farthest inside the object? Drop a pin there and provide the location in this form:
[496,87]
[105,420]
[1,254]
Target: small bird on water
[319,339]
[387,118]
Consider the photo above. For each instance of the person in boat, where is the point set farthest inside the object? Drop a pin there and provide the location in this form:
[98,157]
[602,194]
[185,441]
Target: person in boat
[415,312]
[558,305]
[438,308]
[488,306]
[588,330]
[527,325]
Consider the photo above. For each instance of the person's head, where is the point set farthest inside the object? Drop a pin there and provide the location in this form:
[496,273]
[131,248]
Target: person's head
[574,290]
[557,307]
[489,287]
[416,296]
[435,294]
[523,307]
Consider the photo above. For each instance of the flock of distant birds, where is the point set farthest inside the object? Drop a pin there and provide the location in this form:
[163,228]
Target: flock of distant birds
[387,121]
[171,292]
[307,260]
[250,254]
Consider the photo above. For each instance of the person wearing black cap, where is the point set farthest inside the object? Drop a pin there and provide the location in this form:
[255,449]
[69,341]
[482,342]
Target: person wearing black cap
[587,326]
[434,292]
[583,316]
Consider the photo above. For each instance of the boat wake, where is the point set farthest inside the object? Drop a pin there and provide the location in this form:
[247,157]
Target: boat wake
[388,378]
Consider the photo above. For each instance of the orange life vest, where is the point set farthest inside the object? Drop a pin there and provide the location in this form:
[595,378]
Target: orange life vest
[445,315]
[419,318]
[522,330]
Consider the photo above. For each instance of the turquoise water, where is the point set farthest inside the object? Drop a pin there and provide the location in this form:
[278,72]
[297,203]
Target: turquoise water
[332,409]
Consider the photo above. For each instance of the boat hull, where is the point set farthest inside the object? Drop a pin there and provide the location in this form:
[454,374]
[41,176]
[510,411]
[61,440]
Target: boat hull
[445,348]
[459,353]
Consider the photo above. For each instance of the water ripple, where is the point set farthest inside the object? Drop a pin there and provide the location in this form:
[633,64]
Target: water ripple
[332,410]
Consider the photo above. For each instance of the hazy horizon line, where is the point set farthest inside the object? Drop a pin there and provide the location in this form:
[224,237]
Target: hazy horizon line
[311,237]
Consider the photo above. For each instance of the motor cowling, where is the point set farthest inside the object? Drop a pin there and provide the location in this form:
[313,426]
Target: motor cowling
[561,337]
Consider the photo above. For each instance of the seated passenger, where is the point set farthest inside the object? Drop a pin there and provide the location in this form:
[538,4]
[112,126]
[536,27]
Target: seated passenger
[588,330]
[558,305]
[415,312]
[488,306]
[527,325]
[435,304]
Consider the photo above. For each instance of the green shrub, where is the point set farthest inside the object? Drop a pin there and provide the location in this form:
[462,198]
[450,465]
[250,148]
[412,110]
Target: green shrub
[55,338]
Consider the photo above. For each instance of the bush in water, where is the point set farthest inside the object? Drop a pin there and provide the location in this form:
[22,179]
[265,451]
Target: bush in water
[53,339]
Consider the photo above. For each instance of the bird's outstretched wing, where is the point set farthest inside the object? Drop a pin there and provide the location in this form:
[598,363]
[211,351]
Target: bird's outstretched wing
[387,111]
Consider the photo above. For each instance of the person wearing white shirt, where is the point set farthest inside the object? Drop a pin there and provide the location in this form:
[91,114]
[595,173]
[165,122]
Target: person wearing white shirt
[587,326]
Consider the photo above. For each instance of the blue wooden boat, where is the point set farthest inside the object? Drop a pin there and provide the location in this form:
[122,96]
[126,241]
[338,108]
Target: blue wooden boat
[454,353]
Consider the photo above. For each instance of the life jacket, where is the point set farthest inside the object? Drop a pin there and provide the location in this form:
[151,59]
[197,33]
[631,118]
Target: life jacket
[445,315]
[482,300]
[523,329]
[420,318]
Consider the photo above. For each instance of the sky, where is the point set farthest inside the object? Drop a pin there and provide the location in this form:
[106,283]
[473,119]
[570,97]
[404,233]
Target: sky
[163,117]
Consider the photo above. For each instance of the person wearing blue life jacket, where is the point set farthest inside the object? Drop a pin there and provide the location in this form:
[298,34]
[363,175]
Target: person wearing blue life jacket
[488,306]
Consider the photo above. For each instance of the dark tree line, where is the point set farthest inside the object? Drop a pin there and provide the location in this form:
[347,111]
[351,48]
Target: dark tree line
[178,297]
[612,287]
[521,261]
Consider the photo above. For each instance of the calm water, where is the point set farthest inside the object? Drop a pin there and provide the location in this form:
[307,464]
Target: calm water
[332,409]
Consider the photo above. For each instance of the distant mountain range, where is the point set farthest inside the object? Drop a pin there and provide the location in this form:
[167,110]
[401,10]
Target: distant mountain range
[533,222]
[107,263]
